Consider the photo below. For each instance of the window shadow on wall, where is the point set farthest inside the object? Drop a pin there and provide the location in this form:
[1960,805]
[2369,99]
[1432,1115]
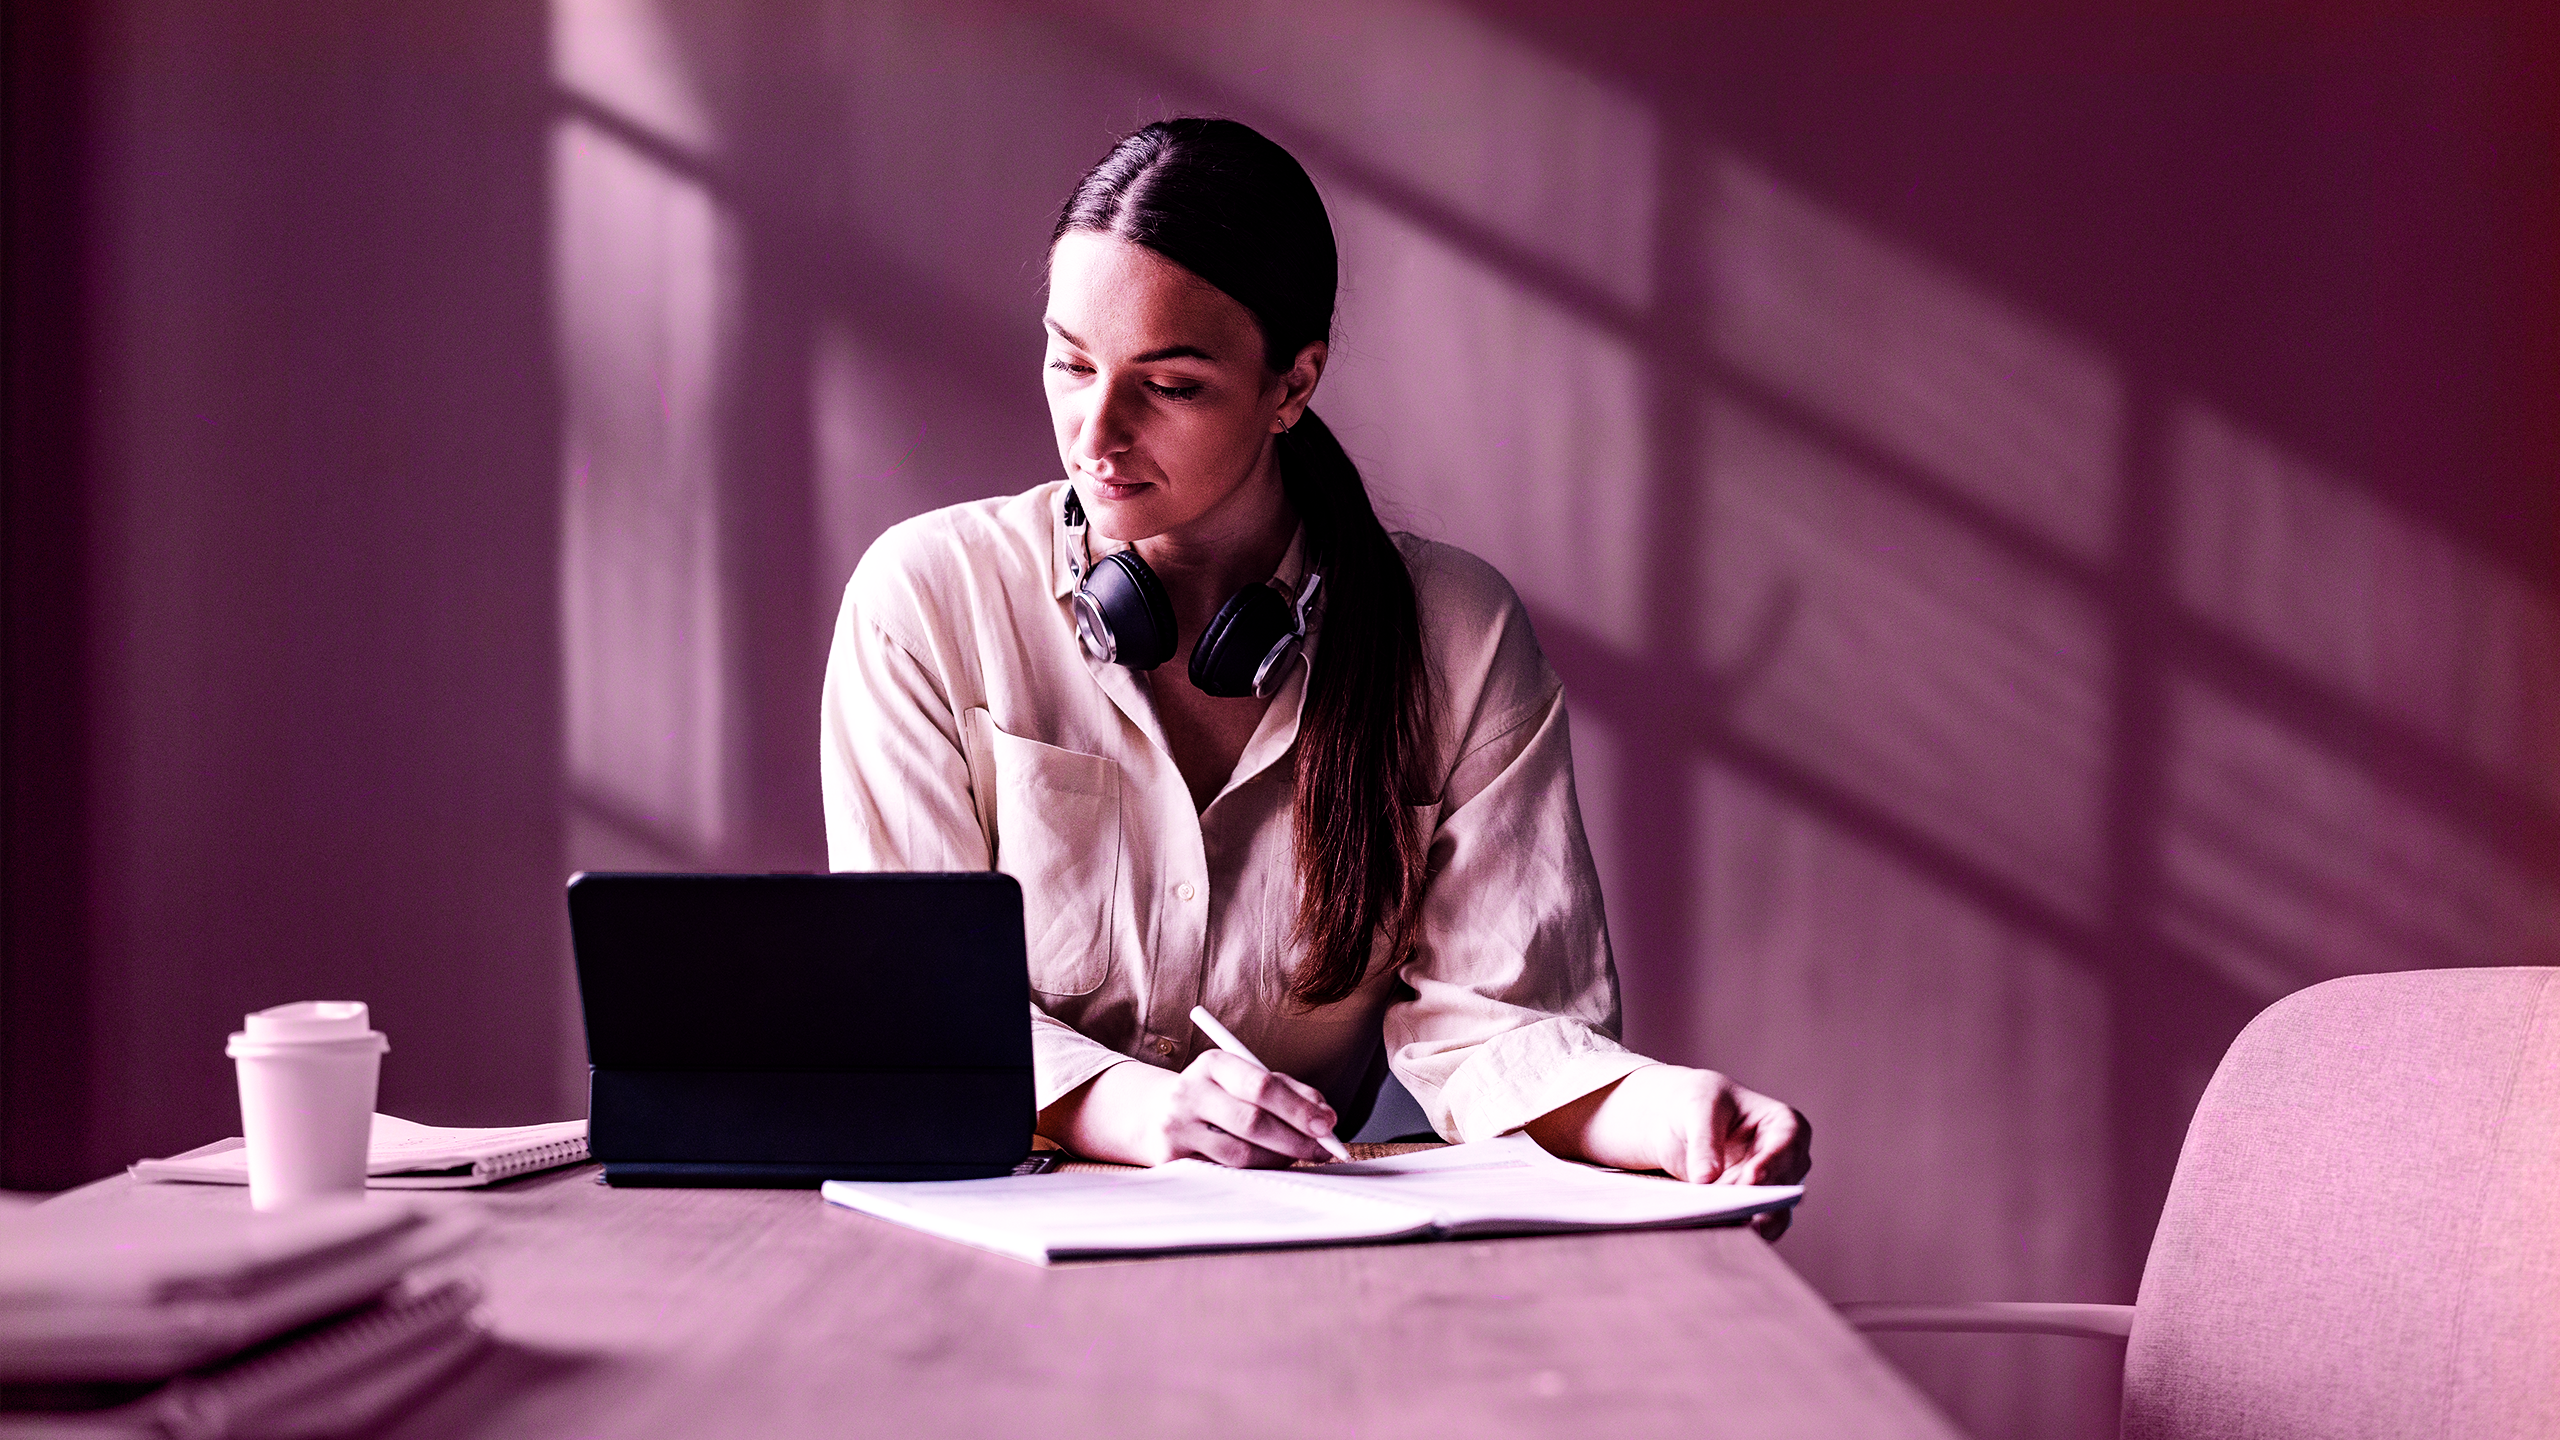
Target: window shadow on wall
[2015,622]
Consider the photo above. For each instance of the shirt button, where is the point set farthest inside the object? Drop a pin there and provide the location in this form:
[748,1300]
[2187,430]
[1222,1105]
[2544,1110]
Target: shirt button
[1184,891]
[1161,1045]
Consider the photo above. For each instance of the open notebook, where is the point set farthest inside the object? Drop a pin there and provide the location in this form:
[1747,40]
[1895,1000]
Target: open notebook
[1492,1187]
[405,1155]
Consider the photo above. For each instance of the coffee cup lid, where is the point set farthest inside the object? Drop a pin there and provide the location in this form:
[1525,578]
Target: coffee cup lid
[308,1020]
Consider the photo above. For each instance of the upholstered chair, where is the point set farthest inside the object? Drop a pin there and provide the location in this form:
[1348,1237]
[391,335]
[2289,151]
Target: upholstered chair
[2363,1235]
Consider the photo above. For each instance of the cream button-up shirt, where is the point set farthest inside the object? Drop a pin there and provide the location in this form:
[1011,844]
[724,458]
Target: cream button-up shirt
[964,728]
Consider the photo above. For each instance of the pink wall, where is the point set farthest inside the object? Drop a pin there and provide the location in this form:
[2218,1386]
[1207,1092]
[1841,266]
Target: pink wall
[2046,527]
[314,603]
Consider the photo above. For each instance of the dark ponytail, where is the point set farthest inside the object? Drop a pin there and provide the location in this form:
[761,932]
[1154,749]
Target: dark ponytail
[1235,209]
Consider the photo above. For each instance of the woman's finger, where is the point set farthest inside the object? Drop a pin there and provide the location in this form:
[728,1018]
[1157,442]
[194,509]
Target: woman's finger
[1242,1117]
[1734,1135]
[1747,1149]
[1305,1091]
[1195,1136]
[1296,1103]
[1775,1153]
[1739,1170]
[1701,1160]
[1299,1104]
[1782,1156]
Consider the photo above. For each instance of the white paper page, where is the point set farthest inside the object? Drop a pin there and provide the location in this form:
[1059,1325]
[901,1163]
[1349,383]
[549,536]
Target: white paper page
[396,1145]
[1511,1183]
[1187,1205]
[56,1255]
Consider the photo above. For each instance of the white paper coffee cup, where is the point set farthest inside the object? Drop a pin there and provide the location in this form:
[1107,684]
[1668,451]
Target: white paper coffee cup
[308,1072]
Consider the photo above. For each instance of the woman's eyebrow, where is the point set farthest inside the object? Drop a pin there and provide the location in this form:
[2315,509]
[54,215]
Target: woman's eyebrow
[1166,352]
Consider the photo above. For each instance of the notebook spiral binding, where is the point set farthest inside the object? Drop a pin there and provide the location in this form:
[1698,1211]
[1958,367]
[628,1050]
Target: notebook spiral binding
[339,1374]
[386,1328]
[540,1157]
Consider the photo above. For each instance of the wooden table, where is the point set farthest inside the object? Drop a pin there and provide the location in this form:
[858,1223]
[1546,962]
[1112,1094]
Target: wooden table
[769,1313]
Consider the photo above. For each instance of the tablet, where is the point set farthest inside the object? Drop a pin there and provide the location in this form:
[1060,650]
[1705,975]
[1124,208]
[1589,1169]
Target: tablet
[785,1030]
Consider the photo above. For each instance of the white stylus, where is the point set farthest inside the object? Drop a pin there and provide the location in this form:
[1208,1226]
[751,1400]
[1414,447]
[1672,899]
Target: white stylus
[1209,1026]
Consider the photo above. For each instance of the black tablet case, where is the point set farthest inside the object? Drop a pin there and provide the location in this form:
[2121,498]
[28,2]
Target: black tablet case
[783,1030]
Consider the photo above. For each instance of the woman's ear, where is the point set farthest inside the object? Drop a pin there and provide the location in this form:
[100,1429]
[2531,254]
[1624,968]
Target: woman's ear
[1298,386]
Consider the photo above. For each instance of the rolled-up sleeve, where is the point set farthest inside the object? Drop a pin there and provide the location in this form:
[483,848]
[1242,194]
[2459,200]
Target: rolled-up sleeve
[895,782]
[1514,997]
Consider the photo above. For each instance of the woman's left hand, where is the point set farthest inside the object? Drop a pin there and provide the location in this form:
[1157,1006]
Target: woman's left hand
[1696,1124]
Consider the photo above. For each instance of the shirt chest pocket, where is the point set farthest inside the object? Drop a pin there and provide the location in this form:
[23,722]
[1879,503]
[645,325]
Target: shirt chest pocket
[1053,823]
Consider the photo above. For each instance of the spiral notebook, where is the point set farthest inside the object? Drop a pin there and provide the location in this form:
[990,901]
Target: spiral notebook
[406,1156]
[115,1295]
[345,1373]
[1492,1187]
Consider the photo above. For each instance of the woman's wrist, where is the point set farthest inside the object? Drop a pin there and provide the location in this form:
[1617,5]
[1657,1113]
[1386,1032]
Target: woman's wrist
[1615,1125]
[1099,1119]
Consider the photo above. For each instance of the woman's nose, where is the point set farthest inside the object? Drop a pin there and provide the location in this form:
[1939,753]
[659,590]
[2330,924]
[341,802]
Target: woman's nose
[1106,430]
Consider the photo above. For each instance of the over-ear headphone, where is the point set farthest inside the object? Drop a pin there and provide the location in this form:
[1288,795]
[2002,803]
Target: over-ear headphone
[1123,618]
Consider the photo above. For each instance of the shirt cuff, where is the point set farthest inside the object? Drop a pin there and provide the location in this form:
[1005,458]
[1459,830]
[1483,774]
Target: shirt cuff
[1519,1075]
[1062,1058]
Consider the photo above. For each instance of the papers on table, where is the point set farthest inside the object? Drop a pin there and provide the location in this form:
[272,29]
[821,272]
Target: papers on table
[1181,1206]
[1507,1186]
[139,1295]
[405,1156]
[344,1375]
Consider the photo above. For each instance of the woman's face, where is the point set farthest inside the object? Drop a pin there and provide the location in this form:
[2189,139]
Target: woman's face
[1163,408]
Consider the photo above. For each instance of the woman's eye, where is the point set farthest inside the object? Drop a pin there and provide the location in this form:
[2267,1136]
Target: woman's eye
[1070,367]
[1174,392]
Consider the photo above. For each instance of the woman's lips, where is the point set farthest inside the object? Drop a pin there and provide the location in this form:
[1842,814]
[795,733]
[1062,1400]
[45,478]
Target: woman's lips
[1114,489]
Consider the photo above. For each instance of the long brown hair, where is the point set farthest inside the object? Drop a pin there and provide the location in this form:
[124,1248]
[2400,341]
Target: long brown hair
[1218,199]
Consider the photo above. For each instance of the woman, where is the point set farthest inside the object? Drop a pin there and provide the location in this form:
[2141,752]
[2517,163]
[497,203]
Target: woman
[1347,811]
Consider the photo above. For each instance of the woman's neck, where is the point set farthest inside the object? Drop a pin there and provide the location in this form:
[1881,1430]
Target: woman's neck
[1238,542]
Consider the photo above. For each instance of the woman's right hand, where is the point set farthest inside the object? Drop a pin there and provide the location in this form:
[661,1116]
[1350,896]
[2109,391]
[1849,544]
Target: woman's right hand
[1222,1108]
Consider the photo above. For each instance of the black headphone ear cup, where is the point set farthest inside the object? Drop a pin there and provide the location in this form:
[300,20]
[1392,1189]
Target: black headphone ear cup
[1132,602]
[1228,653]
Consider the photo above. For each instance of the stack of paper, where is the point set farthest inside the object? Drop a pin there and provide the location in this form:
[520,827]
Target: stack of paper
[231,1322]
[1493,1187]
[406,1156]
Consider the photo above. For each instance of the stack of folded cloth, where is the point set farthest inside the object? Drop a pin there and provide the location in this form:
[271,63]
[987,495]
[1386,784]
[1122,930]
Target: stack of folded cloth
[194,1324]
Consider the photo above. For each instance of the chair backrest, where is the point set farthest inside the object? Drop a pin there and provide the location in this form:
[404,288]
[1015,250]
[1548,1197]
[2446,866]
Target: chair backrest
[2363,1238]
